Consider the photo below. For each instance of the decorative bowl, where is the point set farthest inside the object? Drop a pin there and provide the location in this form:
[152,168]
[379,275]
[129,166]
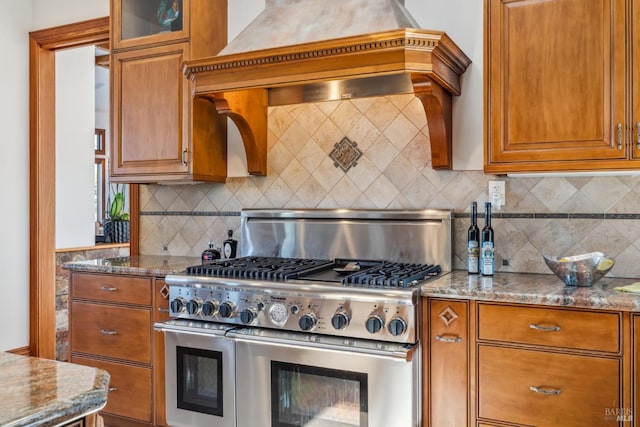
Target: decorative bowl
[580,270]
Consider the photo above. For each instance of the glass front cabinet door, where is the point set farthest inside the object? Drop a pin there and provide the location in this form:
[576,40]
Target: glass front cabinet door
[144,22]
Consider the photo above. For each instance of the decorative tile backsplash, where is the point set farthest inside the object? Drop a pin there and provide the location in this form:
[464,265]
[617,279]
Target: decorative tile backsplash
[553,215]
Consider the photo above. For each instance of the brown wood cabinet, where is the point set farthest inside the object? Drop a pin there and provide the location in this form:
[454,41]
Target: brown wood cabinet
[557,85]
[632,412]
[498,364]
[159,132]
[111,327]
[446,363]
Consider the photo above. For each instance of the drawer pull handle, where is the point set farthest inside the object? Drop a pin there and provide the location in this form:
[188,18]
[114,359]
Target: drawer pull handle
[544,328]
[113,389]
[108,288]
[163,310]
[108,332]
[545,390]
[450,338]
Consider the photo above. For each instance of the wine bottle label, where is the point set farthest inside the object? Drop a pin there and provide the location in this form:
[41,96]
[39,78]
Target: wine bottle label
[227,250]
[473,254]
[488,260]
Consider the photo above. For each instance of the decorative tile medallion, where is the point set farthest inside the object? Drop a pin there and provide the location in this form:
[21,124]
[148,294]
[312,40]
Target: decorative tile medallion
[448,315]
[164,291]
[345,154]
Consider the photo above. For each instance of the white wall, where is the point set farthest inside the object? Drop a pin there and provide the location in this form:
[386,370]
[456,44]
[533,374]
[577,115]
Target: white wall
[75,128]
[462,20]
[51,13]
[15,22]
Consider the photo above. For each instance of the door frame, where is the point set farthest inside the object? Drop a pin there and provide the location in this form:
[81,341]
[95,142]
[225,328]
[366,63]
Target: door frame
[42,250]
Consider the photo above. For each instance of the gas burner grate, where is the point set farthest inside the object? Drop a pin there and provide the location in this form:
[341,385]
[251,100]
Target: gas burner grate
[265,268]
[392,275]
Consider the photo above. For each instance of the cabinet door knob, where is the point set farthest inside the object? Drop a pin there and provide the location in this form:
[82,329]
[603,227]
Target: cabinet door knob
[113,389]
[448,338]
[619,136]
[545,390]
[544,328]
[108,332]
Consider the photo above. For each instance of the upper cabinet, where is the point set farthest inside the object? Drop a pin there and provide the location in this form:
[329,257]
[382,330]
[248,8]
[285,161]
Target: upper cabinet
[159,132]
[558,79]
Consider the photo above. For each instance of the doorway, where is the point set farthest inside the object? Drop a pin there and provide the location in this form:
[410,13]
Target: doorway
[42,47]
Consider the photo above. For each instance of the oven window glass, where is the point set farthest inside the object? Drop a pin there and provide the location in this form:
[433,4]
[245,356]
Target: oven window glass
[317,397]
[199,380]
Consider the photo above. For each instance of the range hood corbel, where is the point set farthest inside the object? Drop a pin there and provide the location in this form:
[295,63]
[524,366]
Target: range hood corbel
[426,63]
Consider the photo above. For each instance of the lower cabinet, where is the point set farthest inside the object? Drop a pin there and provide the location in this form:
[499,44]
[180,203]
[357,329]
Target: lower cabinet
[111,327]
[447,364]
[493,364]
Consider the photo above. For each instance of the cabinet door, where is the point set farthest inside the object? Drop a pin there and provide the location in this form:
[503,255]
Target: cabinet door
[447,346]
[142,22]
[161,313]
[150,103]
[555,84]
[635,35]
[635,377]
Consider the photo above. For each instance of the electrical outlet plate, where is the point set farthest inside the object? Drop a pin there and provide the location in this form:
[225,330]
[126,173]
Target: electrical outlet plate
[497,193]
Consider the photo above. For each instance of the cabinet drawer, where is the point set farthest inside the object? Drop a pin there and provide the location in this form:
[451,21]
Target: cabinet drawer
[112,288]
[129,388]
[550,327]
[588,387]
[119,332]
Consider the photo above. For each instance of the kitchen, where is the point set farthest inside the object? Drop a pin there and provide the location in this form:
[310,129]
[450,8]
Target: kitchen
[579,201]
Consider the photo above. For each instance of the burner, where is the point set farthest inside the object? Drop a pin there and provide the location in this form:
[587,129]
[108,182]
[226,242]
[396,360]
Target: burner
[266,268]
[392,275]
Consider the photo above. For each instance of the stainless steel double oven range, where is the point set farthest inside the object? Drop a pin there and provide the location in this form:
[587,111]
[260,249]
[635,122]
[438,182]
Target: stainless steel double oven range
[316,324]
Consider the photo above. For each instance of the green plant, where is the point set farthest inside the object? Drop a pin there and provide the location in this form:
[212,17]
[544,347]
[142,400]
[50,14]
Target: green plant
[116,210]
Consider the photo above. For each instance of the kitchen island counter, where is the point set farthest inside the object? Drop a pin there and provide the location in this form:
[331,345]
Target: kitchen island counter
[43,392]
[140,265]
[540,289]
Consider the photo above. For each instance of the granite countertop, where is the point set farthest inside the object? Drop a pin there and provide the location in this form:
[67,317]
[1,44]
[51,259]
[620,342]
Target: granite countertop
[142,265]
[43,392]
[543,289]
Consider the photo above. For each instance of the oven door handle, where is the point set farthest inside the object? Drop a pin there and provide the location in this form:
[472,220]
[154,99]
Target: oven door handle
[400,354]
[169,327]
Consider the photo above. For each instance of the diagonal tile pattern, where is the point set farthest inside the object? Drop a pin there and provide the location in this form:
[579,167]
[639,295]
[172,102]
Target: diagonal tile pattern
[394,172]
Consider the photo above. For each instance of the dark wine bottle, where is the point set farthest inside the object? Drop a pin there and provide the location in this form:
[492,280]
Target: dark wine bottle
[487,259]
[210,255]
[230,246]
[473,242]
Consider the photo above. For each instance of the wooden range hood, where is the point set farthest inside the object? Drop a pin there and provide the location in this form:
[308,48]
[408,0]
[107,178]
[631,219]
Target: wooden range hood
[242,85]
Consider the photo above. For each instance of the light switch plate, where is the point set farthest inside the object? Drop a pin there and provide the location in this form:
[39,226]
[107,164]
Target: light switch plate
[497,193]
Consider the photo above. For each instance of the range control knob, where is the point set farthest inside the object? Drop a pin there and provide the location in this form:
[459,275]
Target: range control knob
[194,306]
[340,320]
[307,321]
[227,309]
[374,324]
[397,326]
[248,315]
[210,308]
[178,305]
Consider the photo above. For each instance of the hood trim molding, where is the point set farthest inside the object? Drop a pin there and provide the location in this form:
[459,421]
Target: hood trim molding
[430,59]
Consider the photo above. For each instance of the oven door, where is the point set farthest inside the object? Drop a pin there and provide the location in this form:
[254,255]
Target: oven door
[292,379]
[200,374]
